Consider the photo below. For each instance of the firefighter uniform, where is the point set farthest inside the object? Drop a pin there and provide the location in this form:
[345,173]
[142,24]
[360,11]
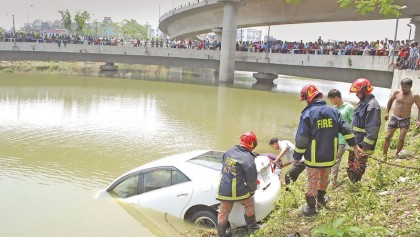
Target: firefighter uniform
[366,125]
[238,182]
[317,141]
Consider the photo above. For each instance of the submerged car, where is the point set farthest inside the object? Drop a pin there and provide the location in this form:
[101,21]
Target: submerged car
[185,186]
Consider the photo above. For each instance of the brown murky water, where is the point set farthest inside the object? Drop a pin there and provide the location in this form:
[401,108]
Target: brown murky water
[64,138]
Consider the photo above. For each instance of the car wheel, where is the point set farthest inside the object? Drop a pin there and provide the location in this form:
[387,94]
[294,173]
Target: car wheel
[205,218]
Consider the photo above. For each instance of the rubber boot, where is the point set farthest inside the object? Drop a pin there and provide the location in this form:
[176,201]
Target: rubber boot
[222,231]
[251,224]
[354,178]
[322,199]
[350,174]
[309,210]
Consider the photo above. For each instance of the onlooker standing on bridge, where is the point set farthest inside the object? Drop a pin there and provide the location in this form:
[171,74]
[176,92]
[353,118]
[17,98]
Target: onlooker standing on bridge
[316,138]
[346,110]
[413,55]
[366,124]
[402,112]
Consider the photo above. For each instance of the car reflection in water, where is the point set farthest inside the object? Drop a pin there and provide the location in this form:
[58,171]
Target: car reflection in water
[185,186]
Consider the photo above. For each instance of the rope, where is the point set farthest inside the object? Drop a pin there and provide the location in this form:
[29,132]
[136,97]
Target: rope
[396,165]
[171,224]
[386,163]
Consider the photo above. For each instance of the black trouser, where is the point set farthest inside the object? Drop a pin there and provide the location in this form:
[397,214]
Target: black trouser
[294,172]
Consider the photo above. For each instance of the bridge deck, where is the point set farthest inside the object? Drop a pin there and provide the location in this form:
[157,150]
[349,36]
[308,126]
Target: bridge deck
[330,67]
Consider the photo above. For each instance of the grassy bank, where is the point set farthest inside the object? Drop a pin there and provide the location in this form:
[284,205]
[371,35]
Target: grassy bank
[72,68]
[384,203]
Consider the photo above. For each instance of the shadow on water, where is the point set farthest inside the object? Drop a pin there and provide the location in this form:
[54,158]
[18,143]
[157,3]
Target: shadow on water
[158,223]
[199,76]
[242,80]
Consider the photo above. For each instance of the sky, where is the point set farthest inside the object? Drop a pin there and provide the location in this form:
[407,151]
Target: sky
[149,11]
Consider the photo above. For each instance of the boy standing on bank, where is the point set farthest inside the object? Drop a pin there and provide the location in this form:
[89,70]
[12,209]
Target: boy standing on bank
[402,114]
[346,110]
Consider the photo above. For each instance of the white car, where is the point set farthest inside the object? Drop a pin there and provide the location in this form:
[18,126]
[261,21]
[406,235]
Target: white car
[185,186]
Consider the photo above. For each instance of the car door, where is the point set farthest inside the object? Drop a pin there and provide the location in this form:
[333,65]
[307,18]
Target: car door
[165,189]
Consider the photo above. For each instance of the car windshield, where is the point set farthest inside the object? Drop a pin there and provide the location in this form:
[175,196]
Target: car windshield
[211,159]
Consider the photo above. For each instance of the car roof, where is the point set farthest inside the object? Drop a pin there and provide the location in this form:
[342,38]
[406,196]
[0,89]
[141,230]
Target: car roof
[172,160]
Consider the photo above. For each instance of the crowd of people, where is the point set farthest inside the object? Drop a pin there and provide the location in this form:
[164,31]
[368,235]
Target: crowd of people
[406,52]
[323,135]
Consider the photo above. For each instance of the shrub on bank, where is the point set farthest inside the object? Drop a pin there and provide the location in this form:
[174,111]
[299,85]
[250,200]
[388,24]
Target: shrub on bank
[384,203]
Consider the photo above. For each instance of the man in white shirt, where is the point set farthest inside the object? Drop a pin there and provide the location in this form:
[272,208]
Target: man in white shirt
[286,148]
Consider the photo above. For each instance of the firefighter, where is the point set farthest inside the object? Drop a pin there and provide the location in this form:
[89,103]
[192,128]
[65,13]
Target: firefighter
[238,183]
[366,125]
[317,141]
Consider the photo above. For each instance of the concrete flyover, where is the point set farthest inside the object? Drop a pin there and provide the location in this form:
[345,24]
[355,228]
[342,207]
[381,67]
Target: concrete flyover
[224,16]
[202,16]
[342,68]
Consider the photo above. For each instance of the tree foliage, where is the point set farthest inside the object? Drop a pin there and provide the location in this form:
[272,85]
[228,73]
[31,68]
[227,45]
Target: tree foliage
[81,19]
[130,28]
[386,8]
[66,19]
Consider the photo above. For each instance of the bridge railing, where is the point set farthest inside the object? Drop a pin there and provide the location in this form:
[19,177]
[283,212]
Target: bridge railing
[180,7]
[105,53]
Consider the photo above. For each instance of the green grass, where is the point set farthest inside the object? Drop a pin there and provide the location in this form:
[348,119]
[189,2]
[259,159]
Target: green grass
[384,203]
[54,67]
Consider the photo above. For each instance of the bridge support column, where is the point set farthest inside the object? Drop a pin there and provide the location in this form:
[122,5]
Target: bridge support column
[416,22]
[227,54]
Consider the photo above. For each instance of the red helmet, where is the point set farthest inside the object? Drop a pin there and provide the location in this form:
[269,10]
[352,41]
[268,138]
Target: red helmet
[249,140]
[309,92]
[361,85]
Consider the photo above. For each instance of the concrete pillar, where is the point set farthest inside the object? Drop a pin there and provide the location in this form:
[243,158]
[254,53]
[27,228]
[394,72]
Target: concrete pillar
[218,33]
[227,54]
[416,22]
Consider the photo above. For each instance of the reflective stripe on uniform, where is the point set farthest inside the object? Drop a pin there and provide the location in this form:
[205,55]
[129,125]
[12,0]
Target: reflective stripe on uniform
[368,141]
[313,152]
[234,197]
[348,136]
[357,129]
[302,151]
[369,152]
[322,164]
[335,148]
[234,187]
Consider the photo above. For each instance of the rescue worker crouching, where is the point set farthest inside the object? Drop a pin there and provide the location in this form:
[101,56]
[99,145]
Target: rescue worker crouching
[317,141]
[366,125]
[238,182]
